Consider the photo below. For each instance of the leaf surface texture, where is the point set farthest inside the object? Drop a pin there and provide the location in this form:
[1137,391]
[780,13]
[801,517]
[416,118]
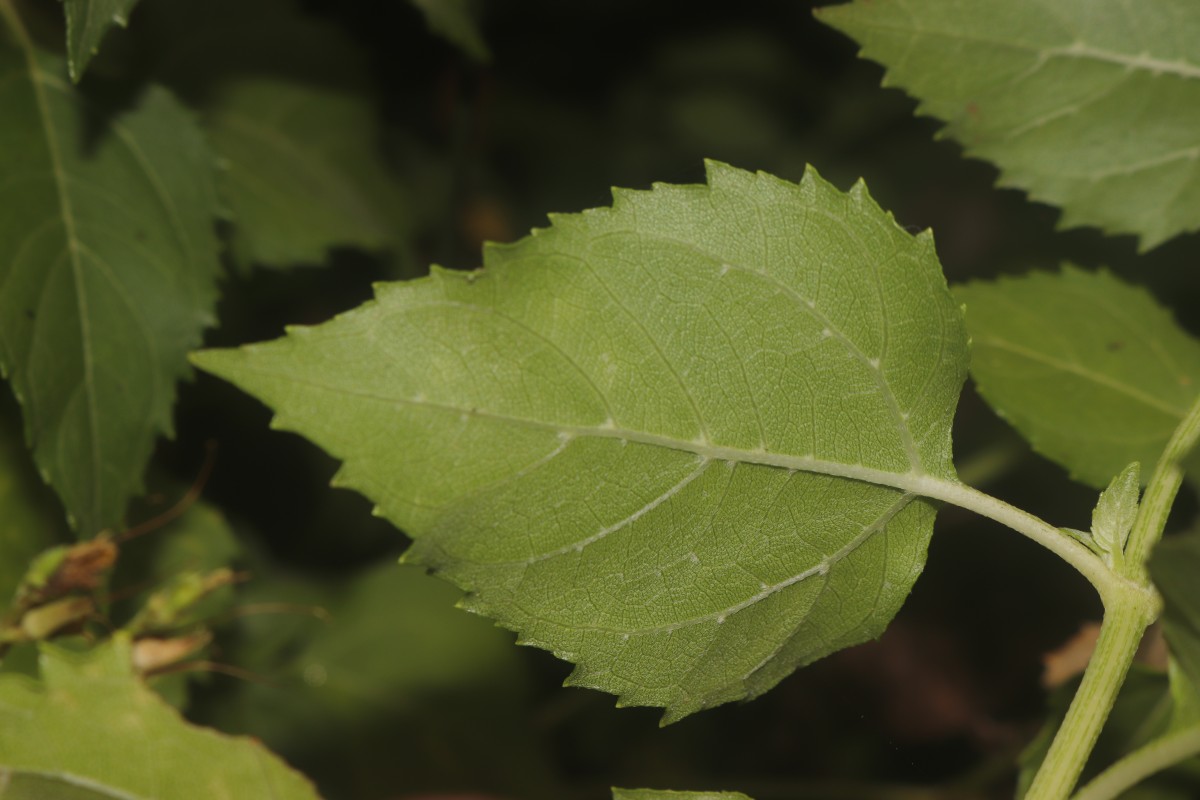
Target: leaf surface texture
[1092,105]
[1091,370]
[673,441]
[108,263]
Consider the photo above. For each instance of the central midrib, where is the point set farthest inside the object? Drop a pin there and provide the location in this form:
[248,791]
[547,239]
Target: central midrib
[914,481]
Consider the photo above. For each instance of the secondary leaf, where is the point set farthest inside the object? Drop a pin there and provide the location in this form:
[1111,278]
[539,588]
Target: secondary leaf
[302,172]
[659,794]
[91,729]
[87,22]
[675,441]
[455,20]
[1173,566]
[1116,510]
[288,105]
[1092,371]
[29,520]
[108,261]
[1092,105]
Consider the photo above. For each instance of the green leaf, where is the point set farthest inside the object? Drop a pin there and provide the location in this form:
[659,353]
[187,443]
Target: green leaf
[87,22]
[109,261]
[1092,105]
[1092,371]
[1173,566]
[659,794]
[30,522]
[677,441]
[1116,510]
[288,105]
[455,21]
[91,729]
[390,640]
[303,172]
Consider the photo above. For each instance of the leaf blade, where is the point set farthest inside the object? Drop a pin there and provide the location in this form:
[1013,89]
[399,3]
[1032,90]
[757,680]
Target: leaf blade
[109,263]
[1092,371]
[91,723]
[668,379]
[1089,106]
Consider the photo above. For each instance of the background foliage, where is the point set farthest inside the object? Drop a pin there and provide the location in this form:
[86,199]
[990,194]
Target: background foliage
[361,141]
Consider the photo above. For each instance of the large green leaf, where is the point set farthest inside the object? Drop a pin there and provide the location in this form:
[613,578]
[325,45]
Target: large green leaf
[90,729]
[677,441]
[1092,371]
[108,261]
[1092,105]
[87,22]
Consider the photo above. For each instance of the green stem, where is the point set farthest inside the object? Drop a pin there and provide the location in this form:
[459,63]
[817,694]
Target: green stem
[1160,495]
[1126,616]
[1087,563]
[1141,764]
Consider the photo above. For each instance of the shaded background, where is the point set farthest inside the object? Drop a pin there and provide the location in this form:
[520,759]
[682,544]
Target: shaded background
[399,695]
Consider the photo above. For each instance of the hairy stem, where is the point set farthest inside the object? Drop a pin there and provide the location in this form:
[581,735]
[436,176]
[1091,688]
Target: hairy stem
[1141,764]
[1126,617]
[1107,583]
[1128,611]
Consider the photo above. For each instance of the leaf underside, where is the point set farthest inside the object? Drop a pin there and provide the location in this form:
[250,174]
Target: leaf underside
[108,261]
[1091,370]
[90,729]
[659,439]
[1091,105]
[87,22]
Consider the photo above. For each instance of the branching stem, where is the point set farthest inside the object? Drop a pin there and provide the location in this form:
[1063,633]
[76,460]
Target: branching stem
[1141,764]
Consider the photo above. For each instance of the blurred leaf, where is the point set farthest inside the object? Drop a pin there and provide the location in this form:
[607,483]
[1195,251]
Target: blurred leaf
[613,434]
[1092,105]
[1174,566]
[87,22]
[659,794]
[394,685]
[108,259]
[391,639]
[30,522]
[303,172]
[1091,370]
[455,21]
[199,540]
[1142,713]
[288,104]
[91,729]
